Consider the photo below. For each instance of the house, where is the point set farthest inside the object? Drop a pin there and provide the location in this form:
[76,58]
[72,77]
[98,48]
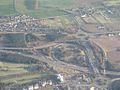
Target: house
[44,84]
[30,87]
[110,35]
[92,88]
[119,34]
[60,77]
[49,82]
[36,86]
[83,16]
[101,27]
[25,89]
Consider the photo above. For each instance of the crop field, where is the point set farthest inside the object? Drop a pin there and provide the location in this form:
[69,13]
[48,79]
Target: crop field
[45,8]
[110,47]
[9,68]
[61,21]
[96,18]
[18,72]
[112,2]
[38,8]
[12,40]
[6,7]
[79,20]
[101,19]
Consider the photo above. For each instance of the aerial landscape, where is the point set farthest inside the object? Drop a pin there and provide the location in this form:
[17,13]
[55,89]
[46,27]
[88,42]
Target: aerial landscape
[59,44]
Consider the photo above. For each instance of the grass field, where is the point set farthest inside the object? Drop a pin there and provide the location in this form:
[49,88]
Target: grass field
[46,8]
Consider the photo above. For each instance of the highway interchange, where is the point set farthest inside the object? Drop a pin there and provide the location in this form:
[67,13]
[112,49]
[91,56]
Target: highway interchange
[93,72]
[92,68]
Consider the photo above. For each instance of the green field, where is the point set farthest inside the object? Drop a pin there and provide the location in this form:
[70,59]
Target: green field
[45,8]
[6,7]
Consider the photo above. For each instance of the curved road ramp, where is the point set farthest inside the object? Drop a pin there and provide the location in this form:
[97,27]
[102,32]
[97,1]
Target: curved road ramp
[115,85]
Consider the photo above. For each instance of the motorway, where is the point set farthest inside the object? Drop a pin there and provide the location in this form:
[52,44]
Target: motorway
[53,62]
[57,64]
[91,58]
[49,60]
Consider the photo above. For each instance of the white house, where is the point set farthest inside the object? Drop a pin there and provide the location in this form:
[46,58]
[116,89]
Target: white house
[60,77]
